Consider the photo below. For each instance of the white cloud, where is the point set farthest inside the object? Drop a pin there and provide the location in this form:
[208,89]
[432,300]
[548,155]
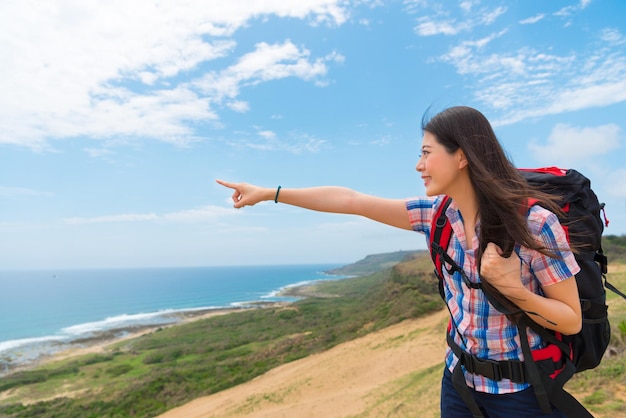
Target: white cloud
[267,62]
[300,143]
[110,68]
[568,146]
[528,82]
[489,17]
[569,10]
[267,134]
[21,192]
[239,106]
[292,142]
[617,188]
[427,27]
[565,84]
[202,214]
[381,141]
[463,57]
[613,36]
[519,81]
[589,96]
[442,24]
[98,152]
[127,217]
[533,19]
[466,5]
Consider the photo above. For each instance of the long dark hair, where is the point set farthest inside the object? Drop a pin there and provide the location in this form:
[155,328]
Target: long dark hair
[502,192]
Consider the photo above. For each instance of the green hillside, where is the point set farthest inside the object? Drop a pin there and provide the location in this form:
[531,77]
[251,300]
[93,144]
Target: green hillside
[614,246]
[374,263]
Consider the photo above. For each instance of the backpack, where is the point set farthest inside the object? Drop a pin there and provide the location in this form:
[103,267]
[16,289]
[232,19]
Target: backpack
[547,369]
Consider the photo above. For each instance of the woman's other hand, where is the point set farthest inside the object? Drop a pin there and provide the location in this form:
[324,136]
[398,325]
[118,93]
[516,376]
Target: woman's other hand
[503,273]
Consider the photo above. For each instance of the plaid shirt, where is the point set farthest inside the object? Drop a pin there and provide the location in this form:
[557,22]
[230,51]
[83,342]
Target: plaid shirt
[486,332]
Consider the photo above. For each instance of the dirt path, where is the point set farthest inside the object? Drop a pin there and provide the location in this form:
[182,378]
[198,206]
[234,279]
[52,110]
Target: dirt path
[369,376]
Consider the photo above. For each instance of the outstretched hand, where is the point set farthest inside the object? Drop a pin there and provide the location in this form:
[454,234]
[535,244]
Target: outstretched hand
[503,273]
[247,194]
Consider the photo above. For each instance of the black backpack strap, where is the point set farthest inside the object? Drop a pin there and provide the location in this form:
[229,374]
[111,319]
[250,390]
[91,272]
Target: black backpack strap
[562,399]
[546,377]
[458,380]
[613,288]
[602,260]
[552,384]
[533,373]
[440,236]
[513,370]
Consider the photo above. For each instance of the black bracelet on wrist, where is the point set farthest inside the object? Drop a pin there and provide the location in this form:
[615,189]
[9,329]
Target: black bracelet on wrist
[276,197]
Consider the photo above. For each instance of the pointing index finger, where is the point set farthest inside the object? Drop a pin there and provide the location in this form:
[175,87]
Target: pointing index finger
[225,183]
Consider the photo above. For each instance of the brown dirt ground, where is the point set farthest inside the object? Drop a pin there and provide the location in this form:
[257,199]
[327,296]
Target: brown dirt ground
[369,377]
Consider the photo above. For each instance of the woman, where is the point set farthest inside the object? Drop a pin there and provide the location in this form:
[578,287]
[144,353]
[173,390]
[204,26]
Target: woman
[519,252]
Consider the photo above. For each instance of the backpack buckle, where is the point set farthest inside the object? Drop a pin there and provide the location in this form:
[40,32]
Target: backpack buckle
[484,367]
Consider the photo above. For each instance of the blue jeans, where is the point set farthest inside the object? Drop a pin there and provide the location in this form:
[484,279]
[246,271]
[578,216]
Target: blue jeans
[511,405]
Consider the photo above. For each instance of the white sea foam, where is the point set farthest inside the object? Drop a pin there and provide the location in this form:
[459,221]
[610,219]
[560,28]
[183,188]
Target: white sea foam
[280,291]
[162,317]
[16,344]
[27,350]
[120,321]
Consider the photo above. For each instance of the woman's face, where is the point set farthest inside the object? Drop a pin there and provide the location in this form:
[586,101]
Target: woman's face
[439,169]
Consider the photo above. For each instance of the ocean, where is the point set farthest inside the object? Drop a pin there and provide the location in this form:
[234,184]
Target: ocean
[45,311]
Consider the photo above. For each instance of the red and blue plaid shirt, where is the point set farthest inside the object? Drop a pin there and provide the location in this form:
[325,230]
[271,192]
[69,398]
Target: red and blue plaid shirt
[486,332]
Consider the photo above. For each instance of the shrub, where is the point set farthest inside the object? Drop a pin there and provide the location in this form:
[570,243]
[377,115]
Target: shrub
[118,370]
[97,358]
[24,378]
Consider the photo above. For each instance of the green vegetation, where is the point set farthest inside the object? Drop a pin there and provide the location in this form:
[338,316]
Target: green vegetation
[156,372]
[614,247]
[374,263]
[602,389]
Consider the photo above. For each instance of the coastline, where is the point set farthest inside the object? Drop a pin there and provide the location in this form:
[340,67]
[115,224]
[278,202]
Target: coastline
[302,291]
[78,308]
[32,352]
[100,342]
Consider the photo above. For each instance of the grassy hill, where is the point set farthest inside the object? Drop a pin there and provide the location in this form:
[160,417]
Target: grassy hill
[374,263]
[614,247]
[154,373]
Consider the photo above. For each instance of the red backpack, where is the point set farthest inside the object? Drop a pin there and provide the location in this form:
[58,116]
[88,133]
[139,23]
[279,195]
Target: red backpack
[550,367]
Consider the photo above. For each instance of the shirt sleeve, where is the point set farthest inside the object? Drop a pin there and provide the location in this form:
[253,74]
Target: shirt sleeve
[551,270]
[421,211]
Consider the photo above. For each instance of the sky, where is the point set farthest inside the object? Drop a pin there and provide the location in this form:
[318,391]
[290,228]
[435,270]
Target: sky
[116,118]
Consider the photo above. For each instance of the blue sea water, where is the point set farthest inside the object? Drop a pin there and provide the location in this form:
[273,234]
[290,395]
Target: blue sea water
[43,311]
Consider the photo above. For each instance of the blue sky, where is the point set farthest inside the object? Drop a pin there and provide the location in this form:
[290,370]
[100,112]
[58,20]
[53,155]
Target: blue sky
[117,116]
